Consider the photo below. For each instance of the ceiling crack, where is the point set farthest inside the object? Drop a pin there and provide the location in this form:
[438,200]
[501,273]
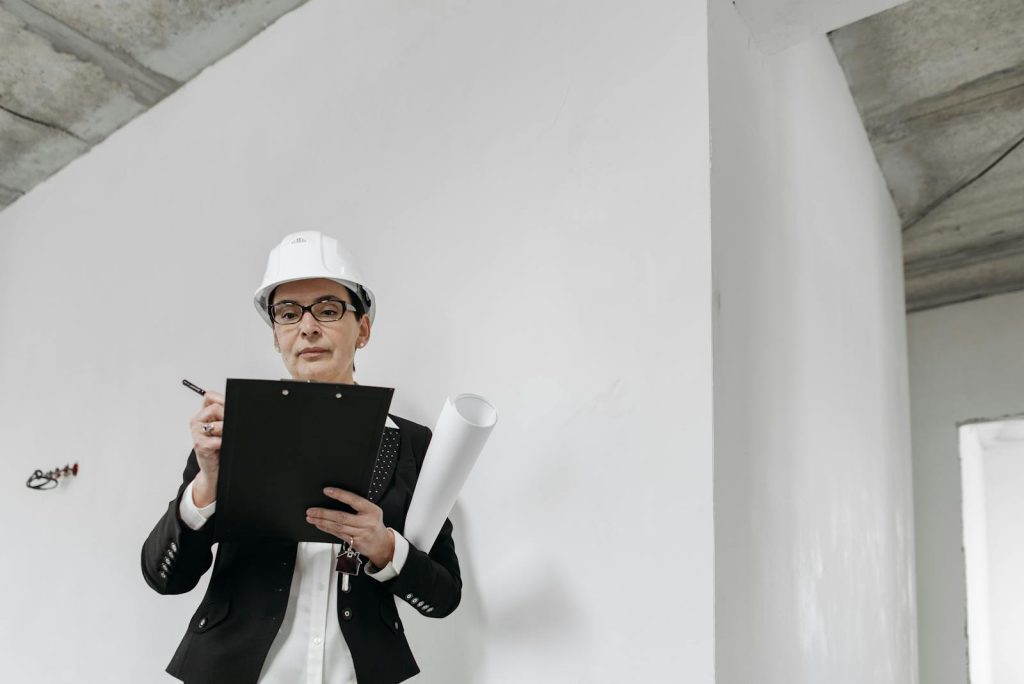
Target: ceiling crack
[40,122]
[1005,152]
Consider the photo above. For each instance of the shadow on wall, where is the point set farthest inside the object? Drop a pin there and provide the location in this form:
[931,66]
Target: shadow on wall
[451,650]
[534,614]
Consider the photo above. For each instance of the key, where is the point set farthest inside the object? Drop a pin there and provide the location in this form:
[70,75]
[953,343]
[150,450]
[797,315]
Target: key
[348,564]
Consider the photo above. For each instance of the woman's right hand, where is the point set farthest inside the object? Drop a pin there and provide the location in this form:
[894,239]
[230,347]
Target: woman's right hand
[206,444]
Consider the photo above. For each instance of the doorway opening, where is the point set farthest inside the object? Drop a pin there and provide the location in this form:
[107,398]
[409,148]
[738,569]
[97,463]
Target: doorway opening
[992,477]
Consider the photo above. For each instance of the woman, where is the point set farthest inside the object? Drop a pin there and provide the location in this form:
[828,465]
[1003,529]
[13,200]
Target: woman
[275,611]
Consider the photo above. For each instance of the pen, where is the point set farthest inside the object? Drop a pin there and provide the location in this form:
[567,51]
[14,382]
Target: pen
[195,388]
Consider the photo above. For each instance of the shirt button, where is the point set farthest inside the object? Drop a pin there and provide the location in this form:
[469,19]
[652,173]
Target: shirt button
[174,547]
[316,641]
[346,614]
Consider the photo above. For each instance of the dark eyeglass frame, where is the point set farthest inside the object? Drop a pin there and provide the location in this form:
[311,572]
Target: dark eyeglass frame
[345,306]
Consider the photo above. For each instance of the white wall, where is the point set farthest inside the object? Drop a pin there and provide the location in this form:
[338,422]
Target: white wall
[813,511]
[528,185]
[965,363]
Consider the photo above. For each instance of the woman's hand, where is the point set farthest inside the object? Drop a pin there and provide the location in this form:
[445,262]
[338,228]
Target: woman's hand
[207,427]
[364,529]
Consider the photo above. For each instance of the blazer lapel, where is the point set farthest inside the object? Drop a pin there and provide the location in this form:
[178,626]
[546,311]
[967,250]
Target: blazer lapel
[384,468]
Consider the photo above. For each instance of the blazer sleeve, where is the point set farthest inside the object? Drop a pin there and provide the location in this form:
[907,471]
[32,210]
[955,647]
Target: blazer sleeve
[430,581]
[174,556]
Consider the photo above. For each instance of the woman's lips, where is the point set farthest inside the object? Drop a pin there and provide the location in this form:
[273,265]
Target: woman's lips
[312,352]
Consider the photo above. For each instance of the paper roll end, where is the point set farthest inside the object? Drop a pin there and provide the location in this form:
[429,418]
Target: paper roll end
[475,410]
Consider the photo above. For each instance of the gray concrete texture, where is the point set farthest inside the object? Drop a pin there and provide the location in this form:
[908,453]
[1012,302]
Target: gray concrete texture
[72,73]
[940,88]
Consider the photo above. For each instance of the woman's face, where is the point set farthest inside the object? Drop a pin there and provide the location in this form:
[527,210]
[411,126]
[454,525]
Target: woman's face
[315,350]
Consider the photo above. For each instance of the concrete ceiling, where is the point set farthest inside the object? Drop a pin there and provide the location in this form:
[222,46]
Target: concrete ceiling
[940,88]
[72,72]
[779,24]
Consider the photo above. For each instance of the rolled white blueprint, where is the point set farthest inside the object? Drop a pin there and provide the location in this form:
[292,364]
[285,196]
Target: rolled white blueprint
[461,431]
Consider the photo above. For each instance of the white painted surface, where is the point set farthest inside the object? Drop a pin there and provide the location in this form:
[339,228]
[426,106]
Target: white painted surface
[528,186]
[992,468]
[780,24]
[813,508]
[1004,483]
[965,363]
[972,470]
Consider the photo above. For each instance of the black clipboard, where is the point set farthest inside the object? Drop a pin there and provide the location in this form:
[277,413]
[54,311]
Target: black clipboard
[284,441]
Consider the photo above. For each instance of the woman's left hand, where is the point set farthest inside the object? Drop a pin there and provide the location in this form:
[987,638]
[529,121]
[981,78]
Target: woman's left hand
[364,529]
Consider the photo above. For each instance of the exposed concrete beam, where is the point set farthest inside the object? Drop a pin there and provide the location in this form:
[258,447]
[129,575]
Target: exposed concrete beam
[965,99]
[148,86]
[971,254]
[948,298]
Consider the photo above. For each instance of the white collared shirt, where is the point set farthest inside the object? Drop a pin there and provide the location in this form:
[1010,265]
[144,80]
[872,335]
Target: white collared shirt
[309,647]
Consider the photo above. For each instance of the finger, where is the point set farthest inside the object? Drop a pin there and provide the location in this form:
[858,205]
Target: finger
[207,444]
[338,517]
[208,414]
[211,429]
[342,532]
[357,502]
[212,397]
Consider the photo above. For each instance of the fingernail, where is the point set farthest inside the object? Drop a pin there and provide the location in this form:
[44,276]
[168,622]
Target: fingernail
[328,490]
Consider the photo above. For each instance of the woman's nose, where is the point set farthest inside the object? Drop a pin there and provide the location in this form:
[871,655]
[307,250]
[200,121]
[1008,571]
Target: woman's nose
[308,324]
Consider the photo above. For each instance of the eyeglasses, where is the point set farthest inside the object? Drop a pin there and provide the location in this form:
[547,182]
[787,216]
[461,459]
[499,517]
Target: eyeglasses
[325,311]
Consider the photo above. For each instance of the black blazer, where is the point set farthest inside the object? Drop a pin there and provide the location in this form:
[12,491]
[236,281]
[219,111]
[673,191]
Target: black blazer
[229,636]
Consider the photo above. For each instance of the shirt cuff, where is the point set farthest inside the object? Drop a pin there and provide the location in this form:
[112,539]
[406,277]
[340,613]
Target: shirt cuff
[392,569]
[192,515]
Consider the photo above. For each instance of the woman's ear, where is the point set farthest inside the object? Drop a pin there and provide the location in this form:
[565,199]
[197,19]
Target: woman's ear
[364,332]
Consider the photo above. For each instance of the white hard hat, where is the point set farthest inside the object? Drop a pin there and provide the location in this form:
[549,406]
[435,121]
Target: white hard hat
[311,254]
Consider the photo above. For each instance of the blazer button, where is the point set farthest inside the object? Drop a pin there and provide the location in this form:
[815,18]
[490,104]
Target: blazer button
[346,614]
[202,623]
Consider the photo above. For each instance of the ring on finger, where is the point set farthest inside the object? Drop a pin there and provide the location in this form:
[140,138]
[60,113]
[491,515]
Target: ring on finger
[207,428]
